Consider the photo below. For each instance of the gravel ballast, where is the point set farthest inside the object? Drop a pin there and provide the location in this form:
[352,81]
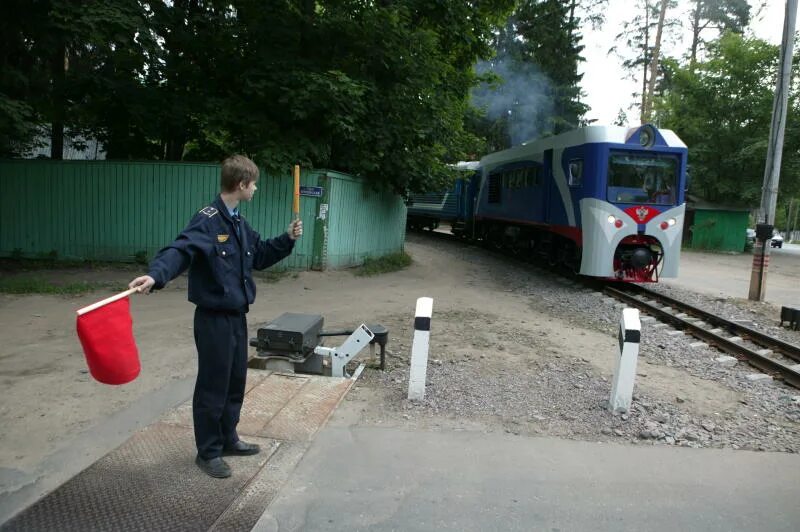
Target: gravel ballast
[493,367]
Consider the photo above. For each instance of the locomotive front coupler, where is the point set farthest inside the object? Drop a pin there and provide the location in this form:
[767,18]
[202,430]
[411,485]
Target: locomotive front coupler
[293,342]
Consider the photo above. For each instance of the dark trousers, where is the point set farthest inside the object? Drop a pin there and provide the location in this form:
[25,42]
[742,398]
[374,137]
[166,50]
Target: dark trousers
[221,340]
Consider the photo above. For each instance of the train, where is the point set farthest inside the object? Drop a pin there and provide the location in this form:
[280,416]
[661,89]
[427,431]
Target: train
[601,201]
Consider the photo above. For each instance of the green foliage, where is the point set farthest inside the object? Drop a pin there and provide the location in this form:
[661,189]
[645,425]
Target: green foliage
[722,15]
[722,110]
[386,264]
[377,89]
[35,285]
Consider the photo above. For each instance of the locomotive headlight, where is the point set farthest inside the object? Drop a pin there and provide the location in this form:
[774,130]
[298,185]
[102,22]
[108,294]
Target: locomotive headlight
[611,218]
[671,222]
[667,224]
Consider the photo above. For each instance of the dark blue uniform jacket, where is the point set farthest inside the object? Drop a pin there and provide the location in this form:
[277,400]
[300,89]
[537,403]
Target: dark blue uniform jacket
[220,259]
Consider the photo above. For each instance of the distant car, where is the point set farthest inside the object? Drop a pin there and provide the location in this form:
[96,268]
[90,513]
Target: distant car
[776,242]
[750,237]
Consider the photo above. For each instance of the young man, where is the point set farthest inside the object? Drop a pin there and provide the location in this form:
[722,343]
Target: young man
[220,250]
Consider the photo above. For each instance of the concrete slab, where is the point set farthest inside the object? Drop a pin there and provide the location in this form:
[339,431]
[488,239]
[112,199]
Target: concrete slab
[391,479]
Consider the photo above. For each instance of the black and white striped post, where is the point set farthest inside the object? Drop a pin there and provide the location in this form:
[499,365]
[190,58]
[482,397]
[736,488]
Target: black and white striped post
[625,373]
[419,349]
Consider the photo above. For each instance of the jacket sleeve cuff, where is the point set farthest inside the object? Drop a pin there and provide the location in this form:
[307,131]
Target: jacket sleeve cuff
[157,278]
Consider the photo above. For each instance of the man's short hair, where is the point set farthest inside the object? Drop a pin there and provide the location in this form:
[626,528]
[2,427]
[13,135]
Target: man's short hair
[237,169]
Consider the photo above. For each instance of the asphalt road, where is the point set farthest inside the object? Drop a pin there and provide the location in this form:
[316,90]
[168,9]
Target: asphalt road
[726,275]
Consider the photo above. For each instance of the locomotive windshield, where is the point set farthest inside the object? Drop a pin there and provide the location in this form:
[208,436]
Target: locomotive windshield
[642,178]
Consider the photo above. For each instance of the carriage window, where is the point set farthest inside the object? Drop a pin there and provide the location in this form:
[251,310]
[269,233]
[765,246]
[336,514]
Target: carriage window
[646,178]
[576,172]
[533,176]
[495,184]
[516,178]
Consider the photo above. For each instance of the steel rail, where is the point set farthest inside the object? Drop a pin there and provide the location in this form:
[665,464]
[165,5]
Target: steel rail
[785,372]
[779,346]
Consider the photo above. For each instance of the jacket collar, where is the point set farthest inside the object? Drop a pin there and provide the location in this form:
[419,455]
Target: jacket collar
[222,208]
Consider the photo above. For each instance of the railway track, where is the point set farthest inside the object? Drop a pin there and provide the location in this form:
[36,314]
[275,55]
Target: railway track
[771,355]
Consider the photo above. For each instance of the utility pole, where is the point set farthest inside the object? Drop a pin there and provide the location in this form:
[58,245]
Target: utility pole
[769,192]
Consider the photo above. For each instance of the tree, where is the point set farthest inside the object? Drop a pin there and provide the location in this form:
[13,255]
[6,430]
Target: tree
[51,47]
[377,89]
[647,102]
[722,15]
[638,52]
[621,119]
[722,108]
[531,86]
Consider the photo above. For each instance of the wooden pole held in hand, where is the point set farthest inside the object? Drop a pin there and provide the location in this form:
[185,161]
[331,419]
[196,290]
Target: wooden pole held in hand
[296,208]
[106,301]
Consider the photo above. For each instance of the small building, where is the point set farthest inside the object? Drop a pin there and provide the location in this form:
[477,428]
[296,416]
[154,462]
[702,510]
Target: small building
[715,227]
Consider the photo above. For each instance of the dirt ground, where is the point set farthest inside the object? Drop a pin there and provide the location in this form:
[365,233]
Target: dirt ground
[728,275]
[49,398]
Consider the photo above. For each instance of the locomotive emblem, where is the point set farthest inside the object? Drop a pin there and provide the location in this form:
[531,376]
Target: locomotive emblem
[642,212]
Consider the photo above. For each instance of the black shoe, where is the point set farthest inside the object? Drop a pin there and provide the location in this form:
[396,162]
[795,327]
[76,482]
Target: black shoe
[215,467]
[241,448]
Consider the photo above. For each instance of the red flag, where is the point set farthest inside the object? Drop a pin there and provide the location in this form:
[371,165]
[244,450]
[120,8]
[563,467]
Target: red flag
[106,333]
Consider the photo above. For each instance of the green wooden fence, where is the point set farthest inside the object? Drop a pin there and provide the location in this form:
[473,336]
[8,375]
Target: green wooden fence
[126,211]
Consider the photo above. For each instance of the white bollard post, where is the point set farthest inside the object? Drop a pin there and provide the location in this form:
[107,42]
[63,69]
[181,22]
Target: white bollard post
[625,373]
[419,349]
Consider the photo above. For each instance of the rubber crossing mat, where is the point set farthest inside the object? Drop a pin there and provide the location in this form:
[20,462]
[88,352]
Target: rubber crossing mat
[151,482]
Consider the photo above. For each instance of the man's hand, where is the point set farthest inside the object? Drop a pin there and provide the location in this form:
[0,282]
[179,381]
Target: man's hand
[142,284]
[295,230]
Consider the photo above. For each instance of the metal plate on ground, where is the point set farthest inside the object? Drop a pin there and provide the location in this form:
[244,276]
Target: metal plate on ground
[148,483]
[151,482]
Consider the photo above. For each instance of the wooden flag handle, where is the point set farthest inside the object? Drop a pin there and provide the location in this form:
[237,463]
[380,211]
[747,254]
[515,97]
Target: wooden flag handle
[296,207]
[106,301]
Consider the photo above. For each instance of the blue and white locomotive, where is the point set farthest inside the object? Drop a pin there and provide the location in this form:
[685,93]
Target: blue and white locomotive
[604,201]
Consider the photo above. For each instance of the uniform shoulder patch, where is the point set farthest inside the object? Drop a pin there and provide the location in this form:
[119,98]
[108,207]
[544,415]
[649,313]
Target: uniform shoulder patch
[209,211]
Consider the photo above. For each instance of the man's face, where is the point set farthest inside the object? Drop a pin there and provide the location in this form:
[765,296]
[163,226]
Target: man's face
[246,192]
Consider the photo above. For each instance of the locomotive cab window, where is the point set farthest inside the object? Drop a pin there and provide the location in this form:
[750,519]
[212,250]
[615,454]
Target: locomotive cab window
[576,172]
[646,178]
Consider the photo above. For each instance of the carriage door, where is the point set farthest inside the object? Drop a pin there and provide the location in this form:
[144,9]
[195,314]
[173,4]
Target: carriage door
[547,184]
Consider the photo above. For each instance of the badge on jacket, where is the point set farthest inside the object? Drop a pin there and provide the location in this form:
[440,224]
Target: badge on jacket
[222,238]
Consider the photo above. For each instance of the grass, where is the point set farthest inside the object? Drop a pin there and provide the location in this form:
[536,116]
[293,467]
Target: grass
[35,285]
[385,264]
[23,265]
